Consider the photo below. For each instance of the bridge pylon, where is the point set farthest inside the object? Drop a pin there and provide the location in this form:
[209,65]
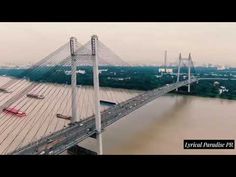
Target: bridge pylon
[189,64]
[189,71]
[178,74]
[73,48]
[165,60]
[94,48]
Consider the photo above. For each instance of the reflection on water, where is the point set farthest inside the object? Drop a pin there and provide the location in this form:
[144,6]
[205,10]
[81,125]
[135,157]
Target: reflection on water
[161,126]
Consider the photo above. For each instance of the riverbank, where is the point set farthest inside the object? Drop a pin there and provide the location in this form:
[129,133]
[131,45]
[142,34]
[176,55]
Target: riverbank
[135,78]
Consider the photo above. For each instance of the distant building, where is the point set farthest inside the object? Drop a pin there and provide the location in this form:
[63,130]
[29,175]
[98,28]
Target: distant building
[221,68]
[102,70]
[161,70]
[216,83]
[79,71]
[223,89]
[168,70]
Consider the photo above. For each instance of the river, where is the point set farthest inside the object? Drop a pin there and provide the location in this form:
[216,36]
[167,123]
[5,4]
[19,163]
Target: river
[161,126]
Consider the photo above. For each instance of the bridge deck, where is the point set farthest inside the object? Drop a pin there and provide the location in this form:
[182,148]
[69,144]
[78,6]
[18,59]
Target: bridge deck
[41,117]
[66,138]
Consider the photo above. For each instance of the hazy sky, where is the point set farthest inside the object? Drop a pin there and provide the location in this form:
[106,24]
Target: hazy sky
[136,43]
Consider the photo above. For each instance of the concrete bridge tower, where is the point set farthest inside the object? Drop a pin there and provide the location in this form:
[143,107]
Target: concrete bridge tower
[74,98]
[189,64]
[189,71]
[178,73]
[165,60]
[94,46]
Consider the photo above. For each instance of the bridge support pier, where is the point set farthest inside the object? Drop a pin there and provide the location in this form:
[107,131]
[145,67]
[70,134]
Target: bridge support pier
[94,40]
[73,47]
[188,88]
[95,134]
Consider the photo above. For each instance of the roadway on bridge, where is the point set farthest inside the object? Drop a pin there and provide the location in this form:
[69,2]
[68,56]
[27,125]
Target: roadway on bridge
[62,140]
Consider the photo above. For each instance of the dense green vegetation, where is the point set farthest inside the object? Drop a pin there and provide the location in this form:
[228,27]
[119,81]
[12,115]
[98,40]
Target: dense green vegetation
[209,89]
[139,78]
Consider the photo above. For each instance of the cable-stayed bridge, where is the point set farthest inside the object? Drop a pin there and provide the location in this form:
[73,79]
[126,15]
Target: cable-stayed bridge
[76,133]
[41,131]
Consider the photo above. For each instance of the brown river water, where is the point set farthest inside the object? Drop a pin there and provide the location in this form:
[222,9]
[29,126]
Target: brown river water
[161,126]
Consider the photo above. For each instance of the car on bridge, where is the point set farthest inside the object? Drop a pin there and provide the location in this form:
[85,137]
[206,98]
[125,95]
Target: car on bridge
[14,112]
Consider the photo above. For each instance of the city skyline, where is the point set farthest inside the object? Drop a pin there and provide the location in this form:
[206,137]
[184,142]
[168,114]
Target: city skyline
[136,43]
